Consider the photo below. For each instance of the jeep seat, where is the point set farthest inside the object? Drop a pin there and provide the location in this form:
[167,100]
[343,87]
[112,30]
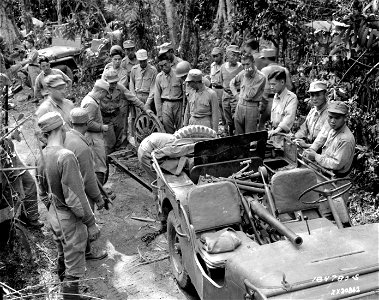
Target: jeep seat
[215,206]
[287,186]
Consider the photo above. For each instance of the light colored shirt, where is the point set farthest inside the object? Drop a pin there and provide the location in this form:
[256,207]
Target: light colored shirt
[127,65]
[228,73]
[338,150]
[283,110]
[143,80]
[121,72]
[31,58]
[203,103]
[216,78]
[167,86]
[313,124]
[251,88]
[63,108]
[40,87]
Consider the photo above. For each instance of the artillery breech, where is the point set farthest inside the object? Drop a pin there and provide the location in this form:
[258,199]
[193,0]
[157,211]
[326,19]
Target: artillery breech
[261,212]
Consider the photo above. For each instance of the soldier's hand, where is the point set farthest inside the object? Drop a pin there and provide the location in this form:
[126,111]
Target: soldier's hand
[105,128]
[310,154]
[149,112]
[301,143]
[100,204]
[93,232]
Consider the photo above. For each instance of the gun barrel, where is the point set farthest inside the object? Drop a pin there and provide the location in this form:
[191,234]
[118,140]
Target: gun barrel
[261,212]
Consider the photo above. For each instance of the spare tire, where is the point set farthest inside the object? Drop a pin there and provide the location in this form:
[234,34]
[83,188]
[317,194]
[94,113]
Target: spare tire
[195,131]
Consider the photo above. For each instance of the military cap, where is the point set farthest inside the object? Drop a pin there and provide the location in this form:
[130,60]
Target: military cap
[164,48]
[233,48]
[79,115]
[195,75]
[217,50]
[101,83]
[111,76]
[317,86]
[265,53]
[54,80]
[50,121]
[338,107]
[128,44]
[141,54]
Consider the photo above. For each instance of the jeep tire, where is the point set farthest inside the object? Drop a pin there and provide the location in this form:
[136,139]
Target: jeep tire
[176,256]
[195,131]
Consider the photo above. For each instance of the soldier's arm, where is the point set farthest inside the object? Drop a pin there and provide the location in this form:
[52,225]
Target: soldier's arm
[157,97]
[215,109]
[150,98]
[289,115]
[235,81]
[38,87]
[32,56]
[132,81]
[66,79]
[93,126]
[129,96]
[340,157]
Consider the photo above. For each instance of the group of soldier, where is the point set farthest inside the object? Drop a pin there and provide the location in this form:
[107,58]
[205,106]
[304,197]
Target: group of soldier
[245,93]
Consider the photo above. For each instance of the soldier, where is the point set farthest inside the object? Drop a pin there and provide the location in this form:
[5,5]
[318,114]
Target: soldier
[168,97]
[129,60]
[142,80]
[251,46]
[228,71]
[96,128]
[115,110]
[166,51]
[216,79]
[76,142]
[338,146]
[284,106]
[269,61]
[30,63]
[316,118]
[117,55]
[202,107]
[40,88]
[55,101]
[70,217]
[251,83]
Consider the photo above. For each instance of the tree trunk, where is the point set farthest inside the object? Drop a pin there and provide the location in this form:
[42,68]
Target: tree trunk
[221,15]
[229,11]
[7,30]
[171,21]
[27,15]
[184,46]
[59,11]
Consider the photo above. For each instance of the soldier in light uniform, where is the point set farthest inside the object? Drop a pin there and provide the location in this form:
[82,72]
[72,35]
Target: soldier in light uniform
[216,79]
[115,110]
[166,51]
[202,107]
[96,127]
[251,83]
[55,101]
[229,70]
[142,80]
[129,61]
[317,117]
[70,217]
[117,55]
[40,88]
[31,61]
[168,97]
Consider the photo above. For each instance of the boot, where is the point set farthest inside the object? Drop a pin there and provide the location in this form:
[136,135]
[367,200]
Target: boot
[70,289]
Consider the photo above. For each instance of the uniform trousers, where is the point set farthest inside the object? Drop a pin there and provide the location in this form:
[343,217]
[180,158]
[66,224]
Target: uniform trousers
[229,104]
[219,93]
[246,117]
[172,115]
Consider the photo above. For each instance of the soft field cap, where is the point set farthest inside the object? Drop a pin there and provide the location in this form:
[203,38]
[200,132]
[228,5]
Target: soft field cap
[141,54]
[268,53]
[164,48]
[101,83]
[54,80]
[50,121]
[233,48]
[195,75]
[111,76]
[217,50]
[317,86]
[128,44]
[338,107]
[79,115]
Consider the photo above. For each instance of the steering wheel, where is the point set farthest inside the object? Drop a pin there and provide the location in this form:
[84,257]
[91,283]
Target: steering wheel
[327,192]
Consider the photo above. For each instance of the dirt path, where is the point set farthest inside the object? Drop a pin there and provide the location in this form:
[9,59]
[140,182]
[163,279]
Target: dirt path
[123,275]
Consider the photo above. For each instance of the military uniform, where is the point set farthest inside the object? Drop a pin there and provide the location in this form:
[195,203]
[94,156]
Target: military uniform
[249,97]
[121,72]
[127,65]
[31,65]
[168,98]
[216,82]
[142,82]
[40,86]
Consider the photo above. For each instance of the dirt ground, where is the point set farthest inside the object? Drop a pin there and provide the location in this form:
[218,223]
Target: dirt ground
[128,272]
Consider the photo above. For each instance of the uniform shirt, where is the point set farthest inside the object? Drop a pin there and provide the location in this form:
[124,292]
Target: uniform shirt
[167,86]
[119,98]
[227,76]
[78,144]
[143,80]
[61,172]
[63,108]
[127,65]
[338,150]
[203,103]
[121,72]
[31,58]
[313,124]
[40,88]
[154,141]
[283,110]
[216,78]
[251,88]
[271,68]
[92,105]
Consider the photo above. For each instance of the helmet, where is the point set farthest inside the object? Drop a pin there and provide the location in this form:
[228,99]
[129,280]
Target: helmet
[182,68]
[116,50]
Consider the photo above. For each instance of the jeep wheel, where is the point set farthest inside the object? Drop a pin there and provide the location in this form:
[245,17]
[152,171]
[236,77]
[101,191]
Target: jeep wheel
[176,257]
[67,70]
[195,131]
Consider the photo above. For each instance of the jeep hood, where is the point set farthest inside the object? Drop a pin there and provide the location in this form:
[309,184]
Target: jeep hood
[282,270]
[56,52]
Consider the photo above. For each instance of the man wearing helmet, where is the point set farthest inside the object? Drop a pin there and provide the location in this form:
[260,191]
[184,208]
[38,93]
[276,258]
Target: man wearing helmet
[117,55]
